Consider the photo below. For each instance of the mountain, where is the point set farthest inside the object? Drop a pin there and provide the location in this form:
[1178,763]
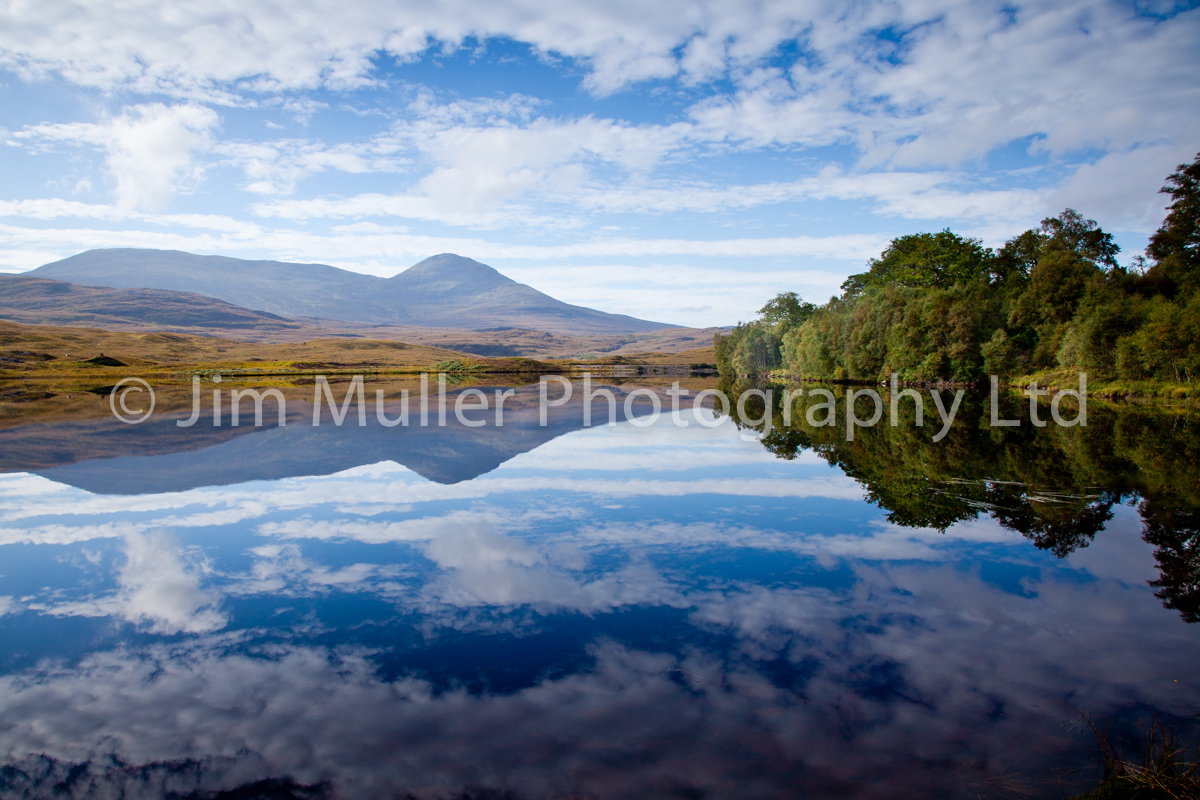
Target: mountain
[444,291]
[38,301]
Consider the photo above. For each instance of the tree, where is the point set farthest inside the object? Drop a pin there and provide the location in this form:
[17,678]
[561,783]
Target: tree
[786,311]
[1058,282]
[1019,256]
[1082,237]
[1175,246]
[757,352]
[941,306]
[925,260]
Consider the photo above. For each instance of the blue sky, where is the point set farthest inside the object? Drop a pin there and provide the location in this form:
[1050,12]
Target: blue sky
[680,161]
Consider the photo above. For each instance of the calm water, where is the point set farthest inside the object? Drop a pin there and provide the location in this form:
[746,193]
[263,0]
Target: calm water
[552,612]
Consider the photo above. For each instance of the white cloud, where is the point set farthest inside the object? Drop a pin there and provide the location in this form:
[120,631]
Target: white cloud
[149,148]
[275,167]
[1120,190]
[349,248]
[482,567]
[961,79]
[966,78]
[953,651]
[910,195]
[281,570]
[203,50]
[410,530]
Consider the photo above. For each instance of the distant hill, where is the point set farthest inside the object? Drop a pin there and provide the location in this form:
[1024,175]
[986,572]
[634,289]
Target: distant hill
[444,291]
[39,301]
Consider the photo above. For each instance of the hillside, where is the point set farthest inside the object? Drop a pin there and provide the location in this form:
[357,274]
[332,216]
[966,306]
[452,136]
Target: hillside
[38,301]
[444,291]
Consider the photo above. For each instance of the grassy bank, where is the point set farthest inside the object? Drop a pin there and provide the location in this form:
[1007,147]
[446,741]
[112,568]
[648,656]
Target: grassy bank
[1102,386]
[1110,387]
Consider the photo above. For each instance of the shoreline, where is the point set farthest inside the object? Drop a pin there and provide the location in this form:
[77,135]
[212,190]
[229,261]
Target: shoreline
[1100,386]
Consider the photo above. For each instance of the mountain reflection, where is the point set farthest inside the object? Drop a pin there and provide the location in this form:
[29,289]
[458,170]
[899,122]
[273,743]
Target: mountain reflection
[590,612]
[100,454]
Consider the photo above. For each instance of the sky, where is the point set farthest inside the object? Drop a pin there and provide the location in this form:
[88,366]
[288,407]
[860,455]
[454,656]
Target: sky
[678,161]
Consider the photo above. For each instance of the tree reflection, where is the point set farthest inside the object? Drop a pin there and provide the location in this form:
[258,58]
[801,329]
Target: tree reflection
[1174,530]
[1056,486]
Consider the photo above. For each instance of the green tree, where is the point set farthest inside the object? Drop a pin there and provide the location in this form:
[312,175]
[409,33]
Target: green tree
[925,260]
[1058,282]
[757,352]
[786,311]
[749,349]
[1019,256]
[1056,486]
[1175,246]
[1083,237]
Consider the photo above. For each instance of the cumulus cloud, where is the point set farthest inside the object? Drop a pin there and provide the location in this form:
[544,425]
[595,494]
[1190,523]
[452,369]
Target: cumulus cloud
[282,570]
[465,200]
[258,47]
[481,567]
[149,149]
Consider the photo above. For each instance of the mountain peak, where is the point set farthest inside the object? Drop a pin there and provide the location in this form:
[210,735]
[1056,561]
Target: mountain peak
[450,270]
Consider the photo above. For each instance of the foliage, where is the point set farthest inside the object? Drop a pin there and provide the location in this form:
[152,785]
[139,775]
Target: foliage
[786,309]
[925,260]
[938,306]
[750,349]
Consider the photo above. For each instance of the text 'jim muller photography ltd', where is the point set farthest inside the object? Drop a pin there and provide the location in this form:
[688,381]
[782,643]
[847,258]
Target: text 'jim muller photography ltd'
[642,407]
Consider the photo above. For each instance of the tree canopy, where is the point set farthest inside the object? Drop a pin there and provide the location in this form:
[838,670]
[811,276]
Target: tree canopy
[925,260]
[938,306]
[786,308]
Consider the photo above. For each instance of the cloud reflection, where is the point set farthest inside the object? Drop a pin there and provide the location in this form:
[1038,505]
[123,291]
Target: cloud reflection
[819,693]
[159,590]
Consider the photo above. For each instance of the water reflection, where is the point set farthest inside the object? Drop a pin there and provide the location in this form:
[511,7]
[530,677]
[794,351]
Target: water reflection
[1057,486]
[601,612]
[94,451]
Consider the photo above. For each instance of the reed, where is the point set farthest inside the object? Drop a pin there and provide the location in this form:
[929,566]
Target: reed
[1161,766]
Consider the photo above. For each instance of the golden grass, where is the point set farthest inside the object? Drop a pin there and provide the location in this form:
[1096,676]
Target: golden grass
[71,354]
[90,357]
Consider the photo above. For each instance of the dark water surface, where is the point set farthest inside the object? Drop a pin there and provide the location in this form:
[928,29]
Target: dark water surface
[604,612]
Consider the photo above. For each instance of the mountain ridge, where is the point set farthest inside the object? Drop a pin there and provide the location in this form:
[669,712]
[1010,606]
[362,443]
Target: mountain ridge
[442,291]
